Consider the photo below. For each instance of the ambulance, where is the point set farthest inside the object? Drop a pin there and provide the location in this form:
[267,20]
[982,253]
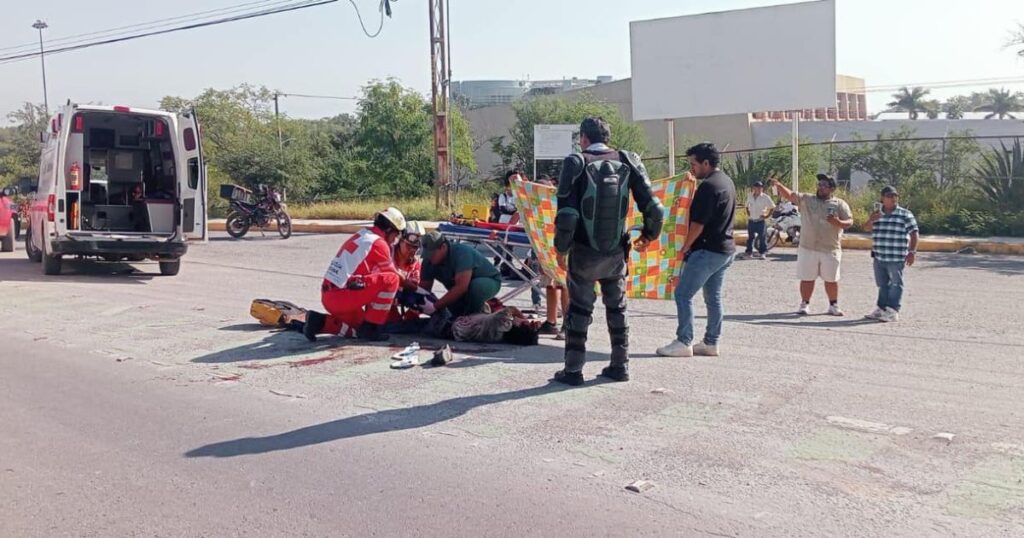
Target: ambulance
[118,183]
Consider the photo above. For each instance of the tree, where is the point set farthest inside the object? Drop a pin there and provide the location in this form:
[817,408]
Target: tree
[1001,103]
[910,101]
[955,107]
[1017,40]
[19,144]
[517,147]
[241,143]
[393,144]
[892,158]
[958,160]
[746,168]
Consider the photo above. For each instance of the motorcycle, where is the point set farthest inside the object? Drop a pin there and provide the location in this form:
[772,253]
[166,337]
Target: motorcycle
[268,205]
[785,219]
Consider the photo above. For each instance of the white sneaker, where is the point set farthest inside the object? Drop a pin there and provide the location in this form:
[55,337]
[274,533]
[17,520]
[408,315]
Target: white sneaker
[877,313]
[705,350]
[834,310]
[804,309]
[890,316]
[676,349]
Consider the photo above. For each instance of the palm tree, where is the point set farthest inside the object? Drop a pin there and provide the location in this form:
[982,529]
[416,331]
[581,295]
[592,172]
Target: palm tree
[910,101]
[1001,103]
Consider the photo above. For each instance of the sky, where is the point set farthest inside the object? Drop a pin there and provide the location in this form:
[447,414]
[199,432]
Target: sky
[322,50]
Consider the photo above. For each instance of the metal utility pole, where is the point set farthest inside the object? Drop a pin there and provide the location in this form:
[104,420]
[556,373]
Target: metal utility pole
[40,25]
[439,93]
[277,119]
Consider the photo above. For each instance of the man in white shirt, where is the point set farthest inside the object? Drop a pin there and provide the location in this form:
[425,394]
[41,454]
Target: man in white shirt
[759,207]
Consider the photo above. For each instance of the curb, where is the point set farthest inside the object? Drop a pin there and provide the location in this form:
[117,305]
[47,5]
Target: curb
[926,244]
[318,227]
[850,242]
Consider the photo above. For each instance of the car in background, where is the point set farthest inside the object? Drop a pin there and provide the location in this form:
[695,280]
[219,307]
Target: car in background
[8,220]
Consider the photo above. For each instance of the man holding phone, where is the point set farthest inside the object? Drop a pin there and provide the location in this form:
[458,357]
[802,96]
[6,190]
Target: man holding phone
[823,218]
[894,236]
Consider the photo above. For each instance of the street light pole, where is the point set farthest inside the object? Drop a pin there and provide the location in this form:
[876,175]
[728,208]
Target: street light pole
[40,25]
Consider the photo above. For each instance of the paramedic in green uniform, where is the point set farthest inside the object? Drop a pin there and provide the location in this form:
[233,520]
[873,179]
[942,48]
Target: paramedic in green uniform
[470,278]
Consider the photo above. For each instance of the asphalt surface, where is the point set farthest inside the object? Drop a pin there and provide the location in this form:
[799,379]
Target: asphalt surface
[140,405]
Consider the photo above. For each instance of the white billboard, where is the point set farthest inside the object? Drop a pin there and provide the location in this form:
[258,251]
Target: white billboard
[751,60]
[555,141]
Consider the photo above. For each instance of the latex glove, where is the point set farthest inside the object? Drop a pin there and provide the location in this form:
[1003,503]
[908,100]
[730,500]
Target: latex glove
[422,291]
[428,308]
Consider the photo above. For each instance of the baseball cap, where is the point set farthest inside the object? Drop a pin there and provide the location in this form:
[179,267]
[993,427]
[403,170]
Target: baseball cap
[430,242]
[889,190]
[758,184]
[825,177]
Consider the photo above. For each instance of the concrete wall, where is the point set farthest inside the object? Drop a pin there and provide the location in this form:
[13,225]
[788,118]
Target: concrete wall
[770,134]
[767,134]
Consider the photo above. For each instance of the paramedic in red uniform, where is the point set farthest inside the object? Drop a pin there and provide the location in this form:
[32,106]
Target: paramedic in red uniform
[361,283]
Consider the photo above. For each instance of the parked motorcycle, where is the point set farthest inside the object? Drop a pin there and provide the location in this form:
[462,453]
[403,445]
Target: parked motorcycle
[785,219]
[268,205]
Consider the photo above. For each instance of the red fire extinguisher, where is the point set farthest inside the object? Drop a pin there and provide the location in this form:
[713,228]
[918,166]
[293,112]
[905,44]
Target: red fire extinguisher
[76,177]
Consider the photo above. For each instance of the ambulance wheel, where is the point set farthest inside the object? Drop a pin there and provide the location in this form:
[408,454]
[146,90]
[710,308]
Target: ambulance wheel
[34,254]
[51,262]
[170,268]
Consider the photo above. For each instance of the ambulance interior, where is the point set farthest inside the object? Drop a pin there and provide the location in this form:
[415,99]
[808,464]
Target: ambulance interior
[121,171]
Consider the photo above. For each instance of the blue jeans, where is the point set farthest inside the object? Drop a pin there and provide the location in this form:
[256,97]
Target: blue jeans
[889,278]
[756,229]
[704,270]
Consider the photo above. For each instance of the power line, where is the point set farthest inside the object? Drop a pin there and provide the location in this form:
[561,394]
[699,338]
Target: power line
[263,13]
[307,96]
[146,25]
[946,84]
[360,17]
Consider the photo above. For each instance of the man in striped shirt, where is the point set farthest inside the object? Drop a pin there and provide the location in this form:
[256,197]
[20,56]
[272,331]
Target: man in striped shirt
[894,235]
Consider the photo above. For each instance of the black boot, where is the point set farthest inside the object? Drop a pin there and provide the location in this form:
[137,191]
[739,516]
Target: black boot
[314,324]
[615,373]
[371,332]
[574,379]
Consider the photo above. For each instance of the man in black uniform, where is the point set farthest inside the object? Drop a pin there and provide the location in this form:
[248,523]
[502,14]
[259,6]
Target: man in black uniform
[593,199]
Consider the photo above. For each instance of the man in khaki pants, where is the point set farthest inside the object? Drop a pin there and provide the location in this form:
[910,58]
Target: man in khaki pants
[823,218]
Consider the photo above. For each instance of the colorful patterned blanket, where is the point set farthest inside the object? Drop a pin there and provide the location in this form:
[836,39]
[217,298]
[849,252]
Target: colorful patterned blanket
[652,273]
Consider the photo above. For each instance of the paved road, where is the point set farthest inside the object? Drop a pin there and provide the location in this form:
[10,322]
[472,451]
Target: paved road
[135,404]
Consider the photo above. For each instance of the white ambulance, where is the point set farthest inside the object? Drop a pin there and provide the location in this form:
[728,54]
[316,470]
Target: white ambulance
[118,183]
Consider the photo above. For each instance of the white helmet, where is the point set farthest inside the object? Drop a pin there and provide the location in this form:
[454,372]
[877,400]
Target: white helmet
[415,228]
[394,216]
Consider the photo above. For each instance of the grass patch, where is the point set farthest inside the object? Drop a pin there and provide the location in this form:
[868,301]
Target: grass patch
[420,208]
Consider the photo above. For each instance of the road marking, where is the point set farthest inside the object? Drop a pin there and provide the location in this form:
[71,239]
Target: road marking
[866,426]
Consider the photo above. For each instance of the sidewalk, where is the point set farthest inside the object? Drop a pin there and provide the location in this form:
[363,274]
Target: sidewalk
[928,243]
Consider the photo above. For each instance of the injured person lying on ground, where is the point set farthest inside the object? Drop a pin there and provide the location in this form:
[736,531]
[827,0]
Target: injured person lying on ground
[377,285]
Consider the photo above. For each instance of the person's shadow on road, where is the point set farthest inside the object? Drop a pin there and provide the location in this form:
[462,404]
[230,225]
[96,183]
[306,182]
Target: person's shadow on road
[539,354]
[367,424]
[792,319]
[276,345]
